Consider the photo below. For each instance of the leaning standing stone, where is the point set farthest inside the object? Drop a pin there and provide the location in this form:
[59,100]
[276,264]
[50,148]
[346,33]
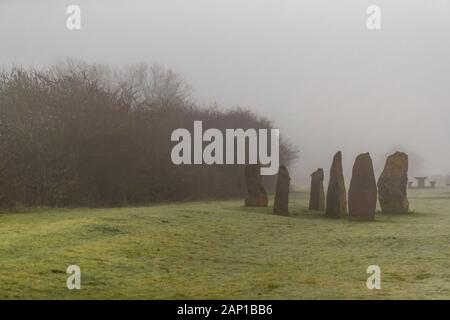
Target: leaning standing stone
[392,184]
[362,194]
[336,194]
[256,195]
[317,195]
[281,203]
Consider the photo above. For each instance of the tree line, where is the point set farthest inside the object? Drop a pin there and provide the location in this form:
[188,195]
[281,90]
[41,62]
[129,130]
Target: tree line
[77,134]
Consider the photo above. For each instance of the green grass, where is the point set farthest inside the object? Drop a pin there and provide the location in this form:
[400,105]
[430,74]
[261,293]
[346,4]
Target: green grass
[221,250]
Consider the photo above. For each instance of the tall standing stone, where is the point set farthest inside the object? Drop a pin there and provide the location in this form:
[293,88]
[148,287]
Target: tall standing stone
[362,194]
[256,195]
[392,184]
[336,194]
[317,195]
[281,203]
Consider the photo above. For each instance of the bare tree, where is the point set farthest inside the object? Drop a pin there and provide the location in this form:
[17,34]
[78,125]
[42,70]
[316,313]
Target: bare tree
[157,86]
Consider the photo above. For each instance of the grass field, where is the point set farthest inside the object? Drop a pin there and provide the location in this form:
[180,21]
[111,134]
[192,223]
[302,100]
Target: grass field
[220,249]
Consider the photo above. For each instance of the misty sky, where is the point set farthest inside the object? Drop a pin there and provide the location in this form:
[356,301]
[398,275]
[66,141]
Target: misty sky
[310,65]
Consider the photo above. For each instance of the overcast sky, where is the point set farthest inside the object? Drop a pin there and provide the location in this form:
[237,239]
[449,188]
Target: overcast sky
[312,66]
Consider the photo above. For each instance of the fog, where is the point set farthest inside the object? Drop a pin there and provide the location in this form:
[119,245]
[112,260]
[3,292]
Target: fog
[311,66]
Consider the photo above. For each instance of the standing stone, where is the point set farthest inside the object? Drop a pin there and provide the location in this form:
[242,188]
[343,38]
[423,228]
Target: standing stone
[281,203]
[256,195]
[317,195]
[392,184]
[362,194]
[336,194]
